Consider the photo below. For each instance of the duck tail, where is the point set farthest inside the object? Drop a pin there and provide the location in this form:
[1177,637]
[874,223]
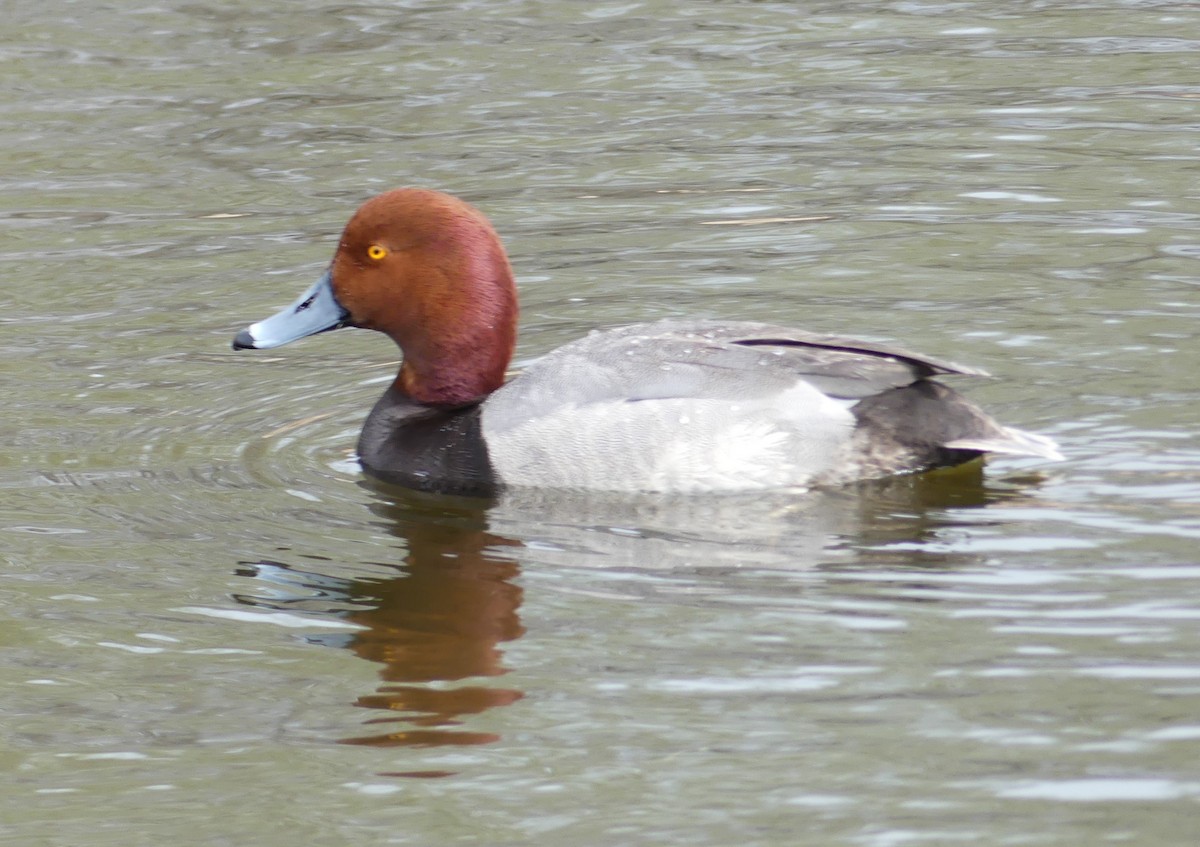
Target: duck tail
[1010,441]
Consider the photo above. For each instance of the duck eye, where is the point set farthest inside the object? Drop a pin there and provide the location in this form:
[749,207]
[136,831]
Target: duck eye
[376,252]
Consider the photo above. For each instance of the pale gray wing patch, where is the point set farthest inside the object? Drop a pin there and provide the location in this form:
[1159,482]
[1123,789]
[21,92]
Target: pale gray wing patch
[750,333]
[705,359]
[864,350]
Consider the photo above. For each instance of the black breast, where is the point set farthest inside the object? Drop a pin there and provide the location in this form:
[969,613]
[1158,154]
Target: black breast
[426,448]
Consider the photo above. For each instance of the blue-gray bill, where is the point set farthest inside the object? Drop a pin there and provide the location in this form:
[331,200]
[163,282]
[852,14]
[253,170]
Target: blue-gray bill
[316,310]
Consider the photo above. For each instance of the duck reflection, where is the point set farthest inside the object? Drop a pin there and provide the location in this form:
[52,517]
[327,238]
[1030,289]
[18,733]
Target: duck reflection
[441,620]
[438,624]
[910,521]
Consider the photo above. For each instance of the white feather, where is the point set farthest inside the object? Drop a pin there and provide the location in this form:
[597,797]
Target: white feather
[675,444]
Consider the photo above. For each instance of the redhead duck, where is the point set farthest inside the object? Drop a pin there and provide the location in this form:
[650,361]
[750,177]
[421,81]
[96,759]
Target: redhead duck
[674,406]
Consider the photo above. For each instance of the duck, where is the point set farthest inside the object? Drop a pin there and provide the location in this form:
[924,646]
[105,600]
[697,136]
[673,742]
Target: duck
[676,406]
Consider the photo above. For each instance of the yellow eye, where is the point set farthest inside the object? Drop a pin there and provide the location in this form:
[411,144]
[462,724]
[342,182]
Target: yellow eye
[376,252]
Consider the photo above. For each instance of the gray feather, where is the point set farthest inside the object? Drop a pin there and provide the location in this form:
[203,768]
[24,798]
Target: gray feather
[733,360]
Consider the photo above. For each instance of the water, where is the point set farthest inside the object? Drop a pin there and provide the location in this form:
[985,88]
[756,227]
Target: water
[217,632]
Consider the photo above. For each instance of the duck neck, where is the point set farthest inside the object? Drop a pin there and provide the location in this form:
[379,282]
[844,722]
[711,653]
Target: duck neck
[451,379]
[465,359]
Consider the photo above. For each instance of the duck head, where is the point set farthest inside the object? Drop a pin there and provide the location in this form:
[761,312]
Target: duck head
[427,270]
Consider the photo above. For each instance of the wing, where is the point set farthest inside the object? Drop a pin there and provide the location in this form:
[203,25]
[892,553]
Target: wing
[706,360]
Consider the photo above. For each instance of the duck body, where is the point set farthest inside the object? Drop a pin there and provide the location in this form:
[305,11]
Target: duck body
[680,406]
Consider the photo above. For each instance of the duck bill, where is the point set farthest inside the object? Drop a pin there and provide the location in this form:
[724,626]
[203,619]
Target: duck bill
[316,310]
